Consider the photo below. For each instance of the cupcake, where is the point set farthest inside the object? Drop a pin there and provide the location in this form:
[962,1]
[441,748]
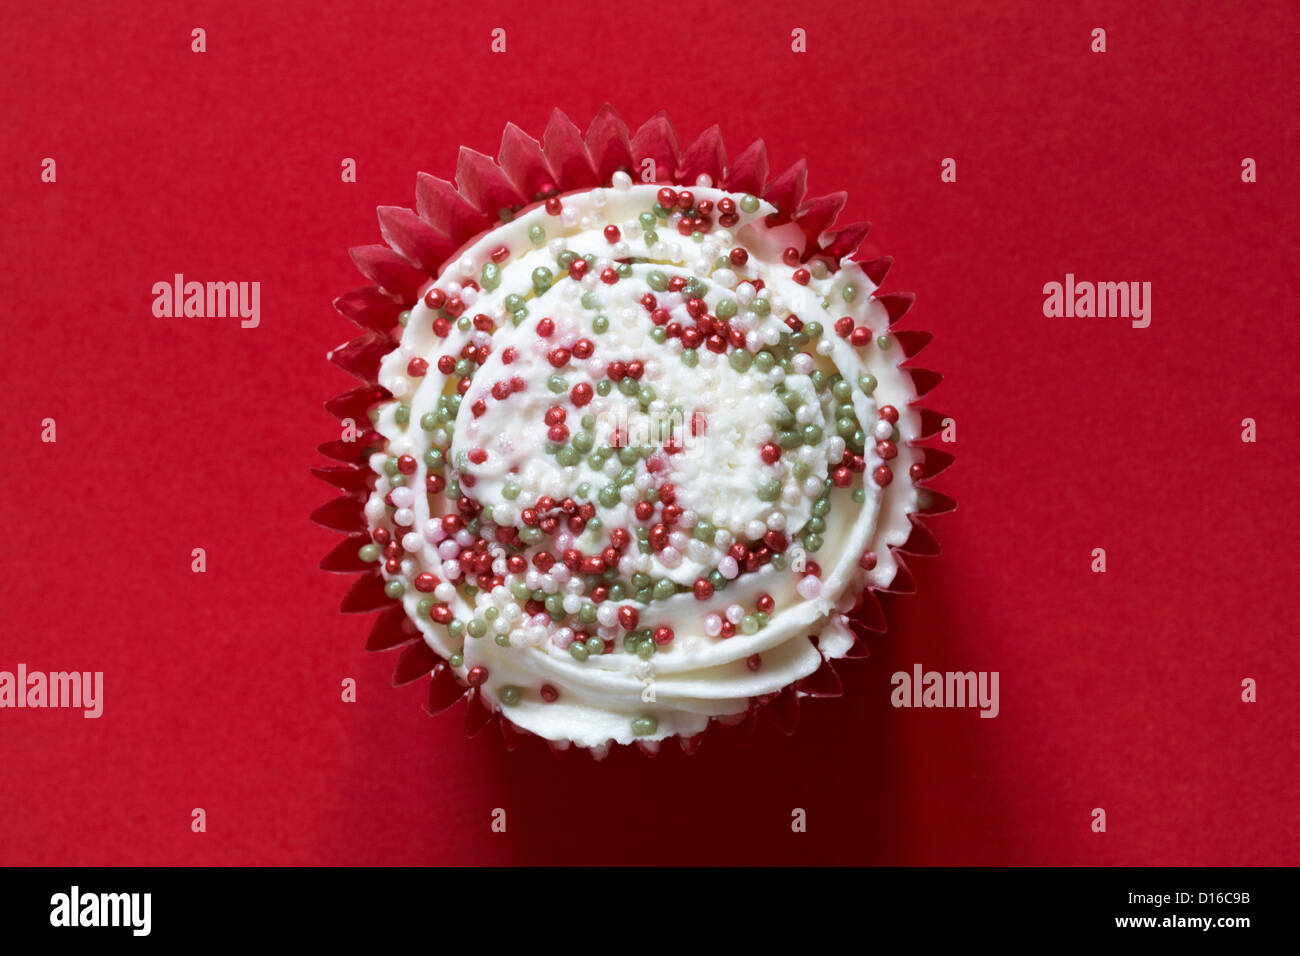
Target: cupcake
[637,441]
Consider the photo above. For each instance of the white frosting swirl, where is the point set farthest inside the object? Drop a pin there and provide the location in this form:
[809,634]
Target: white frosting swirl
[752,450]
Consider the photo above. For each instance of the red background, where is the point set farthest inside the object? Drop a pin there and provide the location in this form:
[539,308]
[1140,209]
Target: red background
[1119,691]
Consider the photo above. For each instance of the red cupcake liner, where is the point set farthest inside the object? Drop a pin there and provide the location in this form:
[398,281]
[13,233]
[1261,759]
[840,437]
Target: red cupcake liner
[417,245]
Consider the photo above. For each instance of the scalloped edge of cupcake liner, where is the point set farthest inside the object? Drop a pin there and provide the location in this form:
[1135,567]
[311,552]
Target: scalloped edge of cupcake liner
[418,245]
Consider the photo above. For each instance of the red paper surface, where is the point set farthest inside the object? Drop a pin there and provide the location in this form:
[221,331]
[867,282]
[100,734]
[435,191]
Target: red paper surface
[1119,691]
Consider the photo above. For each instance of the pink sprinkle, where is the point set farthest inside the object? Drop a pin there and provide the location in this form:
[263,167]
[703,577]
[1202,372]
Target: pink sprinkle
[809,587]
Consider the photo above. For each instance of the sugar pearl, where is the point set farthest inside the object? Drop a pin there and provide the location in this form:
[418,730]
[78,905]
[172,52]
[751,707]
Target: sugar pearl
[809,586]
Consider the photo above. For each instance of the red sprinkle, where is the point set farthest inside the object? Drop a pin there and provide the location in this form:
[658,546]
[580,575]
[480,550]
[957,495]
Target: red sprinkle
[581,394]
[558,357]
[612,234]
[553,207]
[583,348]
[770,453]
[628,617]
[860,336]
[867,561]
[435,299]
[477,455]
[889,413]
[545,328]
[882,476]
[417,367]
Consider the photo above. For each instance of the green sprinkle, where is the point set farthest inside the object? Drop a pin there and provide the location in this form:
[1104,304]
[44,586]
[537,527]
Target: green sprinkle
[726,309]
[542,278]
[748,203]
[491,276]
[403,317]
[557,384]
[476,627]
[850,292]
[369,552]
[690,358]
[656,280]
[884,342]
[578,650]
[536,234]
[509,694]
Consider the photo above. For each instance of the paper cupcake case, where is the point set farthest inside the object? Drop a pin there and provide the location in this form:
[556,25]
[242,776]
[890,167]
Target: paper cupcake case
[419,243]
